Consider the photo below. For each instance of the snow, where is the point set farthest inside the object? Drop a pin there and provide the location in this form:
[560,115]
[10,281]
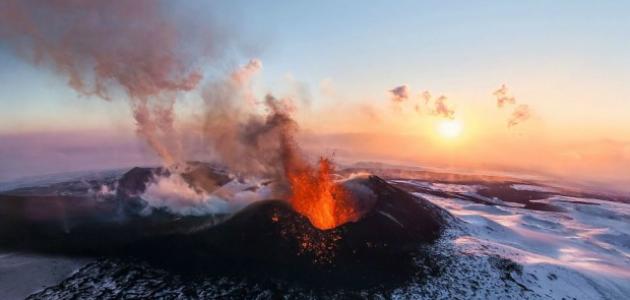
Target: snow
[582,252]
[534,188]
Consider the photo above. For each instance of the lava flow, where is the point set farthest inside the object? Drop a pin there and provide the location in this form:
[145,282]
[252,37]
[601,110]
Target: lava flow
[317,196]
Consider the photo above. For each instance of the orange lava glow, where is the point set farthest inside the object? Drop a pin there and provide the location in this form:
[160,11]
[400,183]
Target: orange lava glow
[315,195]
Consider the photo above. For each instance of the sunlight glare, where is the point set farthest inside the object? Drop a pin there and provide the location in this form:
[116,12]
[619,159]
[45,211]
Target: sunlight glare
[450,128]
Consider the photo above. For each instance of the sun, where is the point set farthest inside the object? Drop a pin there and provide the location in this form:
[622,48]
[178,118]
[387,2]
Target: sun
[449,129]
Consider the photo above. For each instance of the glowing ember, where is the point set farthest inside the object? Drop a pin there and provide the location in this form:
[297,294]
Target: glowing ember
[315,195]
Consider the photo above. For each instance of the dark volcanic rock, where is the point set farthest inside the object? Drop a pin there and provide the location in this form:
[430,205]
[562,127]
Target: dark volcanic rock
[269,237]
[201,176]
[205,177]
[507,193]
[134,182]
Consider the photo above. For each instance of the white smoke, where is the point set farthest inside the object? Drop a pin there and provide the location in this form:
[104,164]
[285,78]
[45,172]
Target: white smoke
[103,192]
[173,194]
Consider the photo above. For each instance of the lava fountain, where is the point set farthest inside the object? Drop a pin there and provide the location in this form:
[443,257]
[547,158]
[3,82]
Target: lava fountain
[315,195]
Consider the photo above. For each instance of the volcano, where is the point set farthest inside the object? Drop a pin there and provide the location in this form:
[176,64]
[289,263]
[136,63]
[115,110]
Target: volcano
[430,236]
[271,236]
[268,237]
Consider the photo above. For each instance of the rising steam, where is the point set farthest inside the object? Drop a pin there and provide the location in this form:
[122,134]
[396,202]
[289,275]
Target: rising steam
[174,194]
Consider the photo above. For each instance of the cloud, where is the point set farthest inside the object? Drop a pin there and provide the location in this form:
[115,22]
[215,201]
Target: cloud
[502,96]
[520,114]
[400,93]
[440,108]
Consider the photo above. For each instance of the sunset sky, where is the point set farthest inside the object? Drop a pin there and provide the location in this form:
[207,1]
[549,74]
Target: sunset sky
[568,61]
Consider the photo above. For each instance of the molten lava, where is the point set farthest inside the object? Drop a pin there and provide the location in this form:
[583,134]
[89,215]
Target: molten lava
[315,195]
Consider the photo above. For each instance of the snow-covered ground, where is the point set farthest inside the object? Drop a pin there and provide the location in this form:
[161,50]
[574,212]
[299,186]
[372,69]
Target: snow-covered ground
[581,251]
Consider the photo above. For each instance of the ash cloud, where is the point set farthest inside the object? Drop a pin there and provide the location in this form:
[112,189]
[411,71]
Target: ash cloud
[252,138]
[103,47]
[249,139]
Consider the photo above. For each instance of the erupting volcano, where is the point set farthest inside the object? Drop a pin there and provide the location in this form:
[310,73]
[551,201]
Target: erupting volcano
[357,231]
[393,173]
[315,195]
[259,203]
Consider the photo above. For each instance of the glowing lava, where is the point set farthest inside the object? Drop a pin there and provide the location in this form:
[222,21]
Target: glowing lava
[315,195]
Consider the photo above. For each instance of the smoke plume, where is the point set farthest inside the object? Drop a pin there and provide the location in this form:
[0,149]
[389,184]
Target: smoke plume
[249,139]
[103,47]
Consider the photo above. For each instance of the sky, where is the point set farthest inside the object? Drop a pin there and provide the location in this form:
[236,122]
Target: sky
[566,60]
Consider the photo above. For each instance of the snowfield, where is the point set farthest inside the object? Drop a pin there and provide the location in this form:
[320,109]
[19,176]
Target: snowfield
[581,251]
